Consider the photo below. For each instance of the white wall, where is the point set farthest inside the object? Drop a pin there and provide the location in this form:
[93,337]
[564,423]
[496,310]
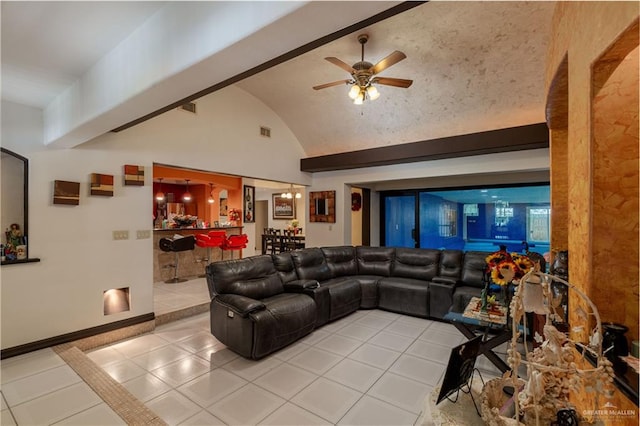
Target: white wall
[63,292]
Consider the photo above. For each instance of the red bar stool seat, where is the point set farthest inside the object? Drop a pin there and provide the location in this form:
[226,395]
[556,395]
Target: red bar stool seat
[235,242]
[210,241]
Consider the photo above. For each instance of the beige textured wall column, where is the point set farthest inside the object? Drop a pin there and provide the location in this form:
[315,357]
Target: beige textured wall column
[583,32]
[614,231]
[594,125]
[557,115]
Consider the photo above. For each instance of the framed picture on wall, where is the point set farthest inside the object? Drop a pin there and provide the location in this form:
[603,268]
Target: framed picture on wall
[322,206]
[223,207]
[283,208]
[248,202]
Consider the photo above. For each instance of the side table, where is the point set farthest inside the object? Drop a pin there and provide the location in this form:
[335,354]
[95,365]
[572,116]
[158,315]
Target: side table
[494,327]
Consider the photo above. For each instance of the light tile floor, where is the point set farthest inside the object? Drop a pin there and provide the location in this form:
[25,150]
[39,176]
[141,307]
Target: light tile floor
[371,367]
[173,297]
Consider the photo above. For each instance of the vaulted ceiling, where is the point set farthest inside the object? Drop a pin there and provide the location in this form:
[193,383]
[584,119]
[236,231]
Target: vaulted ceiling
[475,66]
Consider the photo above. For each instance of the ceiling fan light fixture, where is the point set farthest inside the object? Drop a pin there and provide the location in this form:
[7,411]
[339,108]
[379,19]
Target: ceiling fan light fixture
[354,92]
[359,100]
[363,73]
[373,93]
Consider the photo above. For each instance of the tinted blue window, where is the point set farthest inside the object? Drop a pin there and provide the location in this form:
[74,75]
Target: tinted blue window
[472,219]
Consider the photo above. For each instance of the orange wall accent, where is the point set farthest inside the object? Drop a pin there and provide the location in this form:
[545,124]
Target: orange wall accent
[199,187]
[196,176]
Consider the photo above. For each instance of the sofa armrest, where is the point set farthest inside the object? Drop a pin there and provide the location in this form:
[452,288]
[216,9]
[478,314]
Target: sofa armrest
[444,280]
[298,286]
[440,298]
[241,305]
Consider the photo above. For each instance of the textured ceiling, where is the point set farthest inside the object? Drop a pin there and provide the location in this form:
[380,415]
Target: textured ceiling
[476,66]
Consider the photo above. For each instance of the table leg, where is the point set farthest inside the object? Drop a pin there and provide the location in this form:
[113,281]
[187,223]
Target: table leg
[487,345]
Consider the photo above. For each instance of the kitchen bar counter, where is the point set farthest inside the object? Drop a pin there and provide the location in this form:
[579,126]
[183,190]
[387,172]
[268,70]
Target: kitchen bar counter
[190,263]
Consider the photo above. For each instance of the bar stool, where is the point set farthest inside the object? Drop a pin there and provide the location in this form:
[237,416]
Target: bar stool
[204,241]
[176,245]
[217,239]
[235,242]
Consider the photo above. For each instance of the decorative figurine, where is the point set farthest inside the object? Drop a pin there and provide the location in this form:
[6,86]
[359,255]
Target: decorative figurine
[14,238]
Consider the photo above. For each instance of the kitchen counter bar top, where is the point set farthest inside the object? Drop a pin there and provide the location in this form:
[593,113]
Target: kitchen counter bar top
[220,228]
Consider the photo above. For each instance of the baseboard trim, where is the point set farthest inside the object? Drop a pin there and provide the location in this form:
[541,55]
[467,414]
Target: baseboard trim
[75,335]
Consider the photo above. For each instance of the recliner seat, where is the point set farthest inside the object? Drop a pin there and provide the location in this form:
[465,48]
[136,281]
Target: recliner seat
[250,311]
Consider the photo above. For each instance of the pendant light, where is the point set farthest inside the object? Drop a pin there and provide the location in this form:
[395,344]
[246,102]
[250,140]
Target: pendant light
[186,197]
[160,194]
[291,194]
[210,200]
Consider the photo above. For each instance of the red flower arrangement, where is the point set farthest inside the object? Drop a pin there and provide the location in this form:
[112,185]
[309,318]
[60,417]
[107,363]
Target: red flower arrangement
[234,214]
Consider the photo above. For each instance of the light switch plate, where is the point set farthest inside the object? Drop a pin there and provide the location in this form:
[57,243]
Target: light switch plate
[143,234]
[120,235]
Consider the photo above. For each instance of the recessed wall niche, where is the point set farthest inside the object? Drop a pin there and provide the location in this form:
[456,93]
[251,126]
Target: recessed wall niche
[116,300]
[614,111]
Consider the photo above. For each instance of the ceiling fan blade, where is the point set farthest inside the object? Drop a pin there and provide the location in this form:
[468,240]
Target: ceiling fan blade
[396,82]
[392,59]
[333,83]
[335,61]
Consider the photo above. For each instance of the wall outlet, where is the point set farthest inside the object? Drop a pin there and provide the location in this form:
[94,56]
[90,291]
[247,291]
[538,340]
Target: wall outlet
[120,235]
[143,234]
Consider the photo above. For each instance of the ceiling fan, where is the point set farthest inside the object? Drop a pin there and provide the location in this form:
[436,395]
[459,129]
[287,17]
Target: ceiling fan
[363,75]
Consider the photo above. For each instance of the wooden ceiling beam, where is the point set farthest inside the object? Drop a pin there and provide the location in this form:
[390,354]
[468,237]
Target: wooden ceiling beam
[533,136]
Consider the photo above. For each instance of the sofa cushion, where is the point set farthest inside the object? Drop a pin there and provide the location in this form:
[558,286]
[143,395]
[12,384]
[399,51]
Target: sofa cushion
[253,277]
[369,290]
[284,265]
[462,296]
[473,268]
[440,298]
[451,264]
[404,295]
[374,260]
[286,318]
[345,296]
[421,264]
[335,298]
[341,260]
[310,264]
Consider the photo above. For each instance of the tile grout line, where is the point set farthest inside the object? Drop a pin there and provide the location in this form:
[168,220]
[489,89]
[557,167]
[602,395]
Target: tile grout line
[116,396]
